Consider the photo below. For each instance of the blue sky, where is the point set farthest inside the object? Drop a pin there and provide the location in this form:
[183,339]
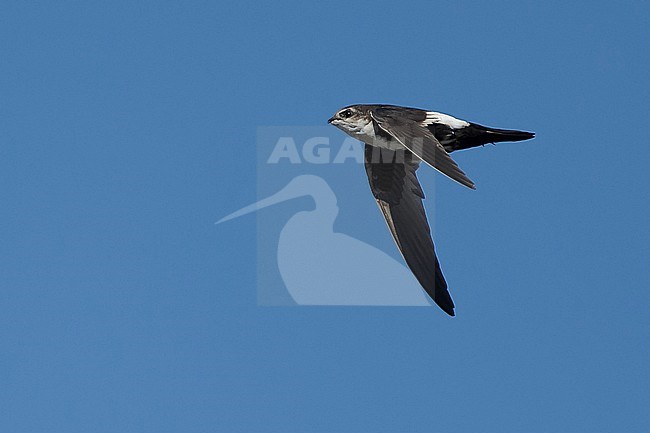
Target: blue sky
[128,129]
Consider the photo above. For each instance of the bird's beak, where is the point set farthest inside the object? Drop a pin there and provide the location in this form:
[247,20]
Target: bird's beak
[331,119]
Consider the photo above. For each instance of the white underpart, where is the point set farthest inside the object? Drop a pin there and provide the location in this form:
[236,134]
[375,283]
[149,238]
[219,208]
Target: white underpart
[445,119]
[365,132]
[368,136]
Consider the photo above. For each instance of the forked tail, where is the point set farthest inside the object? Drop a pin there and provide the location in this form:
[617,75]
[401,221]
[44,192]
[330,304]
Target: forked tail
[478,135]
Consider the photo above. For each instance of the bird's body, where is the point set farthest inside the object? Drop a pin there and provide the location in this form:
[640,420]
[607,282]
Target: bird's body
[397,139]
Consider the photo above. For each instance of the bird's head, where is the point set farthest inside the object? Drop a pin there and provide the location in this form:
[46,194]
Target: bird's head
[351,119]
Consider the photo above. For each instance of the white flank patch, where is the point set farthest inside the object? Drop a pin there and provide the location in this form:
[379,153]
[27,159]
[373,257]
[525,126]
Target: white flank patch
[445,119]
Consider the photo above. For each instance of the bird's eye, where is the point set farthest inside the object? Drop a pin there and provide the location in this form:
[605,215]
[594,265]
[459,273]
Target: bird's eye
[345,114]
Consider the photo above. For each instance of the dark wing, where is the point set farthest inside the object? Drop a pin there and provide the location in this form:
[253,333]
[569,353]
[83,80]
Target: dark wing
[419,140]
[399,196]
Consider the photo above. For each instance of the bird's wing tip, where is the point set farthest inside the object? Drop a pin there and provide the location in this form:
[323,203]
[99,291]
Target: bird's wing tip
[469,184]
[446,306]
